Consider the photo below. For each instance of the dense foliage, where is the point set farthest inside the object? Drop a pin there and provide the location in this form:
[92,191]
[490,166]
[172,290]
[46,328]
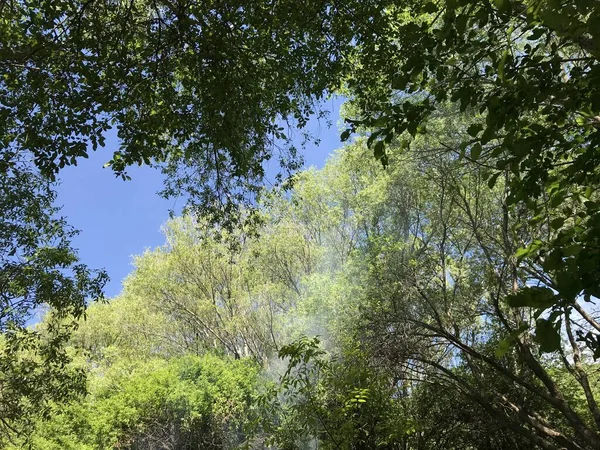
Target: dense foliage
[406,276]
[201,89]
[452,279]
[38,269]
[190,402]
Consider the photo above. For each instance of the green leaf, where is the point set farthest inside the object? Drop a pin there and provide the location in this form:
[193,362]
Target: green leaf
[461,23]
[557,199]
[547,335]
[476,151]
[413,128]
[493,179]
[536,33]
[532,297]
[573,250]
[501,65]
[474,129]
[555,224]
[536,219]
[568,282]
[463,147]
[505,344]
[488,135]
[502,5]
[378,149]
[553,260]
[372,137]
[430,8]
[522,253]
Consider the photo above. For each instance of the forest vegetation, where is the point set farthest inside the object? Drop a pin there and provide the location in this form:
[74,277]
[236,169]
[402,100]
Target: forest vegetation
[433,286]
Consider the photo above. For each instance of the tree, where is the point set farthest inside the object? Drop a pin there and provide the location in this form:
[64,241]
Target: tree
[197,87]
[441,298]
[506,215]
[343,404]
[191,402]
[440,308]
[206,290]
[529,70]
[409,279]
[38,269]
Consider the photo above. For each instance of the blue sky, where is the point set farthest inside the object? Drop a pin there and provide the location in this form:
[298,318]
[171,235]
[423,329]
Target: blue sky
[119,219]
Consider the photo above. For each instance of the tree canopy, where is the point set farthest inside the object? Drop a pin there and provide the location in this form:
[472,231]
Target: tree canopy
[403,277]
[202,90]
[38,269]
[447,256]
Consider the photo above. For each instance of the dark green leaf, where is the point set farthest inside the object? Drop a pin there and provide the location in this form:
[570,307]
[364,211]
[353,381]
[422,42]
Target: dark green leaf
[532,297]
[547,335]
[476,151]
[555,224]
[378,149]
[430,8]
[502,63]
[474,129]
[493,179]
